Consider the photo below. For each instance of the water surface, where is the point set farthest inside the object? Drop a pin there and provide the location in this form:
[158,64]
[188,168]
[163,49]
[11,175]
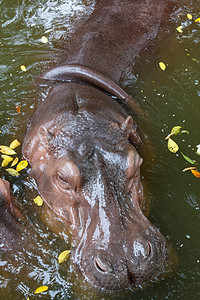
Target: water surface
[171,98]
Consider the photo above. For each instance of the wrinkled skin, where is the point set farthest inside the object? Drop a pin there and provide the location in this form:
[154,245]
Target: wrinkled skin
[84,148]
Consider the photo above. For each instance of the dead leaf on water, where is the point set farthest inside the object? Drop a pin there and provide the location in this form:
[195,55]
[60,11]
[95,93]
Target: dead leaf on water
[22,165]
[18,108]
[23,68]
[44,39]
[12,172]
[41,289]
[162,66]
[179,28]
[15,161]
[15,144]
[63,256]
[172,146]
[7,150]
[176,129]
[38,200]
[189,16]
[195,173]
[189,169]
[6,161]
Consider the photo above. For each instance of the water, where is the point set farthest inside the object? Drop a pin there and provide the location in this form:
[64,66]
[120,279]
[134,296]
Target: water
[171,98]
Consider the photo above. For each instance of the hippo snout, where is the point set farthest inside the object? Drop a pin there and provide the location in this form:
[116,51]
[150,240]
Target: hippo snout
[122,266]
[106,271]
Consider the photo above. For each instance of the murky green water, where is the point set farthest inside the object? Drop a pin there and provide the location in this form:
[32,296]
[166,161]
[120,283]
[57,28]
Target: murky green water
[171,98]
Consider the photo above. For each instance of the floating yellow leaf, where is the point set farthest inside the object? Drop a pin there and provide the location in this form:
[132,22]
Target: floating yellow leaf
[15,161]
[12,172]
[189,16]
[63,256]
[172,146]
[22,165]
[179,28]
[197,20]
[15,144]
[6,161]
[44,39]
[162,65]
[4,156]
[7,150]
[195,173]
[23,68]
[41,289]
[176,129]
[38,200]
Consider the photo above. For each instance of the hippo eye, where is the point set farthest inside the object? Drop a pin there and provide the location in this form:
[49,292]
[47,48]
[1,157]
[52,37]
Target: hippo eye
[62,181]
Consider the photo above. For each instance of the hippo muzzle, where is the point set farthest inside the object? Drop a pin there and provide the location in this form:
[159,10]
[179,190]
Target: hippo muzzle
[120,250]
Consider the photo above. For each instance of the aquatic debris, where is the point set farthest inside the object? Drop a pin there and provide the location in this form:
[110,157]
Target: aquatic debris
[15,144]
[44,39]
[23,68]
[7,150]
[162,66]
[15,161]
[18,108]
[41,289]
[12,172]
[21,165]
[63,256]
[188,159]
[179,28]
[172,146]
[38,200]
[189,16]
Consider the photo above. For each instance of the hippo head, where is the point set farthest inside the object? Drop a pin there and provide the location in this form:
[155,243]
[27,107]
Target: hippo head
[88,172]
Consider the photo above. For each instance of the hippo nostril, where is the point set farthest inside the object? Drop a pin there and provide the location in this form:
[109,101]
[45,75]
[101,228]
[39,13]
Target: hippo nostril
[149,248]
[132,279]
[100,267]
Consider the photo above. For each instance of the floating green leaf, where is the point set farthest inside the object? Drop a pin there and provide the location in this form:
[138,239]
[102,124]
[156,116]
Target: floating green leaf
[172,146]
[188,159]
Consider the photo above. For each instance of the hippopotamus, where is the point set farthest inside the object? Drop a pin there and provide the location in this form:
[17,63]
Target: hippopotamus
[11,227]
[85,148]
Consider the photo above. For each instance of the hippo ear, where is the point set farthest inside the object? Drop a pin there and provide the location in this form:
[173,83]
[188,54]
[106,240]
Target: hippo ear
[127,125]
[130,131]
[44,136]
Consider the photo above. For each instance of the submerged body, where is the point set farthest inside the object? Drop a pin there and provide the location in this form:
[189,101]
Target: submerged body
[84,149]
